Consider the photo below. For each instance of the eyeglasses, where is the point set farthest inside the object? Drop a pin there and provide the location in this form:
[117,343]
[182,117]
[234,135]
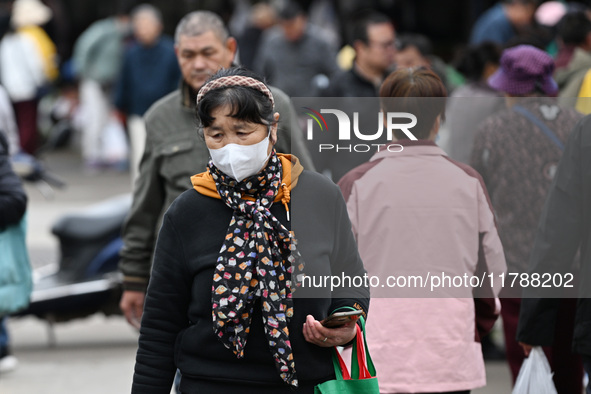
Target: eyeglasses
[383,44]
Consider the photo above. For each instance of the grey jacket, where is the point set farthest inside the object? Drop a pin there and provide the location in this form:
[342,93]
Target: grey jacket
[296,67]
[174,152]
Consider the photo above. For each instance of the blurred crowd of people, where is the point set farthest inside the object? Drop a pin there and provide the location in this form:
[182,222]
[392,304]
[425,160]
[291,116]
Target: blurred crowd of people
[515,92]
[302,48]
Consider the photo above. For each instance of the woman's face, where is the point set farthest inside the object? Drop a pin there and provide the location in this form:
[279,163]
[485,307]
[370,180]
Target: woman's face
[228,130]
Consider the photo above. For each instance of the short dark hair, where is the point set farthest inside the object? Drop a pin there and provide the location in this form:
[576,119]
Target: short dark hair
[290,11]
[245,103]
[573,28]
[419,41]
[413,86]
[362,23]
[473,59]
[536,36]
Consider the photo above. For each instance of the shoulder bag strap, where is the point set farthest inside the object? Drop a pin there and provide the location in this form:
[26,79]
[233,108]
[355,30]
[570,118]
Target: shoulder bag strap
[545,129]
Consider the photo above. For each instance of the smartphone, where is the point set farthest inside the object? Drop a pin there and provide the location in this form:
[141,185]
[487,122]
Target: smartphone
[339,319]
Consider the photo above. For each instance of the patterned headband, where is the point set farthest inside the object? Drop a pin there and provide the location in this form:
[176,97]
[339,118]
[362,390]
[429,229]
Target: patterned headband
[235,80]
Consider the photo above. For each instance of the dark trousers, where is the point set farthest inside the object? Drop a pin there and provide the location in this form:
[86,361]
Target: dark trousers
[3,337]
[566,365]
[25,113]
[219,387]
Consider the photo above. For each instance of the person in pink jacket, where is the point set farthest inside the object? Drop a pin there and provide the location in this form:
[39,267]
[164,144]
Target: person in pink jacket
[427,235]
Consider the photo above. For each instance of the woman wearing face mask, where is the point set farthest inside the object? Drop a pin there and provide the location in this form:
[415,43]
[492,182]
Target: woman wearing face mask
[228,301]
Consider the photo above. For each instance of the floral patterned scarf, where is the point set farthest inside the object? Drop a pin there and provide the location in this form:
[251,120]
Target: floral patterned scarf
[257,260]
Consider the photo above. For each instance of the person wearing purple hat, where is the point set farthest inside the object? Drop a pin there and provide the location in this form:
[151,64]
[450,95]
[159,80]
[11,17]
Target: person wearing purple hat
[517,151]
[525,70]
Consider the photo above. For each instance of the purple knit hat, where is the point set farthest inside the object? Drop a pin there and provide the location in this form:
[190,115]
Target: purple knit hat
[522,69]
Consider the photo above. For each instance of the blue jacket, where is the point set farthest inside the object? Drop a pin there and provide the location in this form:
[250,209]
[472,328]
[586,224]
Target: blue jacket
[148,74]
[493,26]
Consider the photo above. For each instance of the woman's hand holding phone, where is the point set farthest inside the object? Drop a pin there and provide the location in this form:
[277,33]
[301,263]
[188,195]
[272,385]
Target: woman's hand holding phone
[316,333]
[338,319]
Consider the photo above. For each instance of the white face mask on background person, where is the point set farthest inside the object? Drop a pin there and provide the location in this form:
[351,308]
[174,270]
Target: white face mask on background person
[241,161]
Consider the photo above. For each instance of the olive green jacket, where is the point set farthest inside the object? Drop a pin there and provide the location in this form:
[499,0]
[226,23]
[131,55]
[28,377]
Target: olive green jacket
[174,152]
[571,78]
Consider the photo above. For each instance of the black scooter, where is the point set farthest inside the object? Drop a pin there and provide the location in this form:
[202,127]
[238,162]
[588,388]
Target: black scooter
[86,280]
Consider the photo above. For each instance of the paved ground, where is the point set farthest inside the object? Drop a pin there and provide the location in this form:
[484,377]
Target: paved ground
[93,355]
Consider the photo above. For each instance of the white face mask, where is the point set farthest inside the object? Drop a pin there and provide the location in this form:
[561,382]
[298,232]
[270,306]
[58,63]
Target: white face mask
[241,161]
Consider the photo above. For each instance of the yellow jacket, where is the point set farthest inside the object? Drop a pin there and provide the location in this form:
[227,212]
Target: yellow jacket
[46,49]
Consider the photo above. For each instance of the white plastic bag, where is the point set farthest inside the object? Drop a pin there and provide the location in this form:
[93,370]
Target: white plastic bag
[535,376]
[114,143]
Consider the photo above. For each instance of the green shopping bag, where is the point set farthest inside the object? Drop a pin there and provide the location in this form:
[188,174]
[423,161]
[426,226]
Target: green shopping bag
[363,373]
